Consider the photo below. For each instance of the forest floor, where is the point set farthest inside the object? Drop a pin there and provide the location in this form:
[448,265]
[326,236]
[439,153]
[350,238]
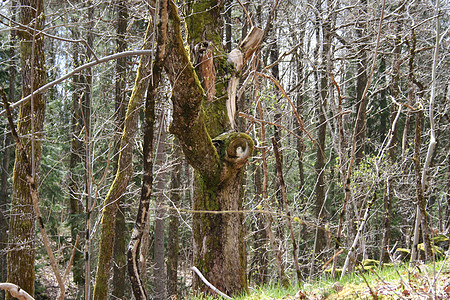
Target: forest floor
[399,281]
[423,281]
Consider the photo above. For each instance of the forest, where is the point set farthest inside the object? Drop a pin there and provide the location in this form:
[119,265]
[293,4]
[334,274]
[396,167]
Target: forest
[167,149]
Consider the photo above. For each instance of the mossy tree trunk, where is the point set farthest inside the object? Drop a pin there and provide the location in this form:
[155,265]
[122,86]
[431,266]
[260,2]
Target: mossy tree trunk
[123,176]
[198,117]
[30,122]
[120,260]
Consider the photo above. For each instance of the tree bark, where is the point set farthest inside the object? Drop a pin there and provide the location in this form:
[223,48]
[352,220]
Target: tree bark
[361,102]
[133,252]
[285,205]
[86,117]
[30,124]
[134,247]
[259,265]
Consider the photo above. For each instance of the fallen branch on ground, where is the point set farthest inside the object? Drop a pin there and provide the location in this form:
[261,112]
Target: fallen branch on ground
[15,291]
[205,281]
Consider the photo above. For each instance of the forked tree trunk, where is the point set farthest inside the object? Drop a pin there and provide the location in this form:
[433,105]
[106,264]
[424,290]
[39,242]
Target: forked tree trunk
[219,248]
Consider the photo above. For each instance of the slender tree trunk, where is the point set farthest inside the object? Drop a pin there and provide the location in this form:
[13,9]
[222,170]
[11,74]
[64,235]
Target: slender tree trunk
[76,154]
[387,205]
[421,214]
[6,145]
[133,252]
[228,33]
[361,82]
[286,208]
[259,265]
[120,261]
[320,237]
[123,176]
[173,235]
[268,226]
[134,247]
[86,105]
[274,53]
[279,231]
[5,164]
[159,272]
[388,195]
[447,196]
[361,105]
[30,122]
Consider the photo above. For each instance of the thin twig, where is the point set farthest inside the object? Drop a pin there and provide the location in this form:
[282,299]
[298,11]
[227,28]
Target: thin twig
[253,119]
[270,18]
[246,12]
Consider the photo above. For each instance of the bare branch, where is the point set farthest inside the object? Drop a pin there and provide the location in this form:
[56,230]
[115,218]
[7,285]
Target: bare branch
[77,70]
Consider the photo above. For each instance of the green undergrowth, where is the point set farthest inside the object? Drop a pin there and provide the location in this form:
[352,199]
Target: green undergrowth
[399,281]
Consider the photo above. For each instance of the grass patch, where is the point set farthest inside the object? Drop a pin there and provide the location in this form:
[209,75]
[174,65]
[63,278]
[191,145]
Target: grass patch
[399,281]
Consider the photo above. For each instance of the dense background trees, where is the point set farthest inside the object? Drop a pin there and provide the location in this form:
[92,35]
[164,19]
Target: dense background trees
[351,94]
